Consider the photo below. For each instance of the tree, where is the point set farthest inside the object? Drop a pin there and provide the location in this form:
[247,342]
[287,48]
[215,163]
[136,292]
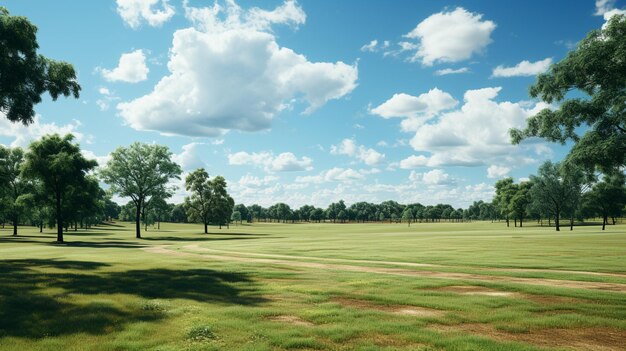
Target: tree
[520,201]
[407,215]
[16,187]
[607,198]
[221,203]
[59,165]
[596,68]
[140,172]
[236,216]
[198,205]
[178,214]
[24,74]
[504,192]
[549,191]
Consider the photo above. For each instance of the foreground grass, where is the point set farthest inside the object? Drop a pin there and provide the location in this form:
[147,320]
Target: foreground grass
[315,286]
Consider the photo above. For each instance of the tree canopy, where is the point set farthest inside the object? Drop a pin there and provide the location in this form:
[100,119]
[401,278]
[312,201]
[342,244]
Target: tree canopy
[140,172]
[26,75]
[596,68]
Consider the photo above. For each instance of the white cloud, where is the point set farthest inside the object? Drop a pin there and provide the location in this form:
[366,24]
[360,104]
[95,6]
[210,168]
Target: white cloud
[335,174]
[606,9]
[90,155]
[130,69]
[256,182]
[23,135]
[415,109]
[447,71]
[414,161]
[284,162]
[495,171]
[371,46]
[433,177]
[450,36]
[523,69]
[232,74]
[349,147]
[475,134]
[107,97]
[153,12]
[189,159]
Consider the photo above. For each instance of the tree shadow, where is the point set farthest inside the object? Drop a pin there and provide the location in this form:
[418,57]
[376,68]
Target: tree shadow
[36,299]
[102,244]
[177,238]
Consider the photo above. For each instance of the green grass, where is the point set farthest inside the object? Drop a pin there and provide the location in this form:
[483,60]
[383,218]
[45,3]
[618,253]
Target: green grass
[314,287]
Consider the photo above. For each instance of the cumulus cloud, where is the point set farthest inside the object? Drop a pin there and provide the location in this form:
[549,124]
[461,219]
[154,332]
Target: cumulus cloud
[450,36]
[23,135]
[130,69]
[90,155]
[447,71]
[153,12]
[415,110]
[284,162]
[433,177]
[495,171]
[190,158]
[335,174]
[106,98]
[249,180]
[414,161]
[475,134]
[606,9]
[229,73]
[367,155]
[523,69]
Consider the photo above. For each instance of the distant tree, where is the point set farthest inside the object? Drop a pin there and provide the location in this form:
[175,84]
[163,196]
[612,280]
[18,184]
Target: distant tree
[236,216]
[24,74]
[550,192]
[140,171]
[198,204]
[221,203]
[14,187]
[243,211]
[317,215]
[111,208]
[607,197]
[178,214]
[59,165]
[596,68]
[159,209]
[505,189]
[520,200]
[407,215]
[342,216]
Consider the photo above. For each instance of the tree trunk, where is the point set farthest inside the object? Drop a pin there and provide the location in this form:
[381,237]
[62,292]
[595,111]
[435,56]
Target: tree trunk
[59,219]
[556,221]
[159,225]
[137,221]
[571,223]
[41,227]
[521,219]
[604,220]
[15,220]
[507,221]
[205,228]
[515,220]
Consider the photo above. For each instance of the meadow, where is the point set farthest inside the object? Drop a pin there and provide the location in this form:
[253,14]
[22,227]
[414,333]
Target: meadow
[272,286]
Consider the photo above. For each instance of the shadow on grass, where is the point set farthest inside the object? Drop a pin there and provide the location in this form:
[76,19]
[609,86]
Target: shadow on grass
[36,295]
[102,244]
[178,238]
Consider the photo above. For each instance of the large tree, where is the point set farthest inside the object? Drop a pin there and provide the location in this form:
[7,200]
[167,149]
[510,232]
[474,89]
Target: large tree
[221,203]
[596,68]
[140,172]
[60,166]
[551,191]
[505,189]
[24,74]
[14,187]
[607,197]
[198,205]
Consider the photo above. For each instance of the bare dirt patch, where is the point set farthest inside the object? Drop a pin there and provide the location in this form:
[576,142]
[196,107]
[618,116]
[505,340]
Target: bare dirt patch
[595,339]
[392,271]
[477,290]
[395,309]
[293,320]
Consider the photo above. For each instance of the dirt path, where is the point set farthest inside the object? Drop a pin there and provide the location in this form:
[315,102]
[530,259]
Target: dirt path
[195,247]
[391,271]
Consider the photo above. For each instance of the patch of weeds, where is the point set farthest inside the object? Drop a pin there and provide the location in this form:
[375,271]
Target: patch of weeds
[154,306]
[201,333]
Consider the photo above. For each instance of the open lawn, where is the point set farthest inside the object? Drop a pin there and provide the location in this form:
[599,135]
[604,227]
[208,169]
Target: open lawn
[442,286]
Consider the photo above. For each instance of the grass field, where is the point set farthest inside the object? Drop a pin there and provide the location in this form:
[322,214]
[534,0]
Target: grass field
[442,286]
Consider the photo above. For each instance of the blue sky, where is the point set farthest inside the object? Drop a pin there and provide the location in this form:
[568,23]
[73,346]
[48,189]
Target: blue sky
[312,101]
